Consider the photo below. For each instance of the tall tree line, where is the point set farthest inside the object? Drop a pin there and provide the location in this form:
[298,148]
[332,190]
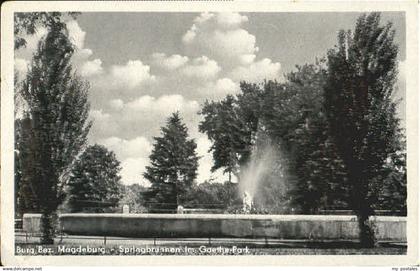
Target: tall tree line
[334,120]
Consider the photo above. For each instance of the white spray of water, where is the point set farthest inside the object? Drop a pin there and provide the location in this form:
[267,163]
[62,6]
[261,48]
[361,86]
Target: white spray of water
[260,165]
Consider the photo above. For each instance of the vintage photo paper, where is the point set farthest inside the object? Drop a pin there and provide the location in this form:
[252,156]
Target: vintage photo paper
[209,133]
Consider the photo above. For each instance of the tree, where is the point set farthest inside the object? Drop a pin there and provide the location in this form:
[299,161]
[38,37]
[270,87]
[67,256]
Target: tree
[173,164]
[211,195]
[274,117]
[231,124]
[226,129]
[249,129]
[55,124]
[361,113]
[95,181]
[393,192]
[320,179]
[25,199]
[27,23]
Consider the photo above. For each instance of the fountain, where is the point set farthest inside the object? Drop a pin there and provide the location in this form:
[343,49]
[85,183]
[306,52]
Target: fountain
[256,171]
[247,203]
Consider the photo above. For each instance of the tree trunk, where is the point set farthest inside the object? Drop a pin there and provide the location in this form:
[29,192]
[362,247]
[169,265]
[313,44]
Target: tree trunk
[366,232]
[47,227]
[364,211]
[361,204]
[177,190]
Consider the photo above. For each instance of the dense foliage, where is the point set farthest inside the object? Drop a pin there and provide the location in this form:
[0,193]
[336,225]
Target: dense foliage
[173,165]
[54,125]
[211,195]
[361,114]
[94,184]
[322,126]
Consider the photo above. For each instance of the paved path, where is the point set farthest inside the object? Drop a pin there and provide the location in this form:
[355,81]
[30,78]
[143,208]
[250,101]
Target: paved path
[22,238]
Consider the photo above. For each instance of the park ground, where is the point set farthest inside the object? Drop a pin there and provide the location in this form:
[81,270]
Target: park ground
[99,245]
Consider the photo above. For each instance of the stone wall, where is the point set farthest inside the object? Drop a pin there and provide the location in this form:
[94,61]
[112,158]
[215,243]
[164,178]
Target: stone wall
[31,223]
[310,227]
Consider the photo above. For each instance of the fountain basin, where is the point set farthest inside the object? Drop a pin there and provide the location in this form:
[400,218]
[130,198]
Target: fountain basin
[294,227]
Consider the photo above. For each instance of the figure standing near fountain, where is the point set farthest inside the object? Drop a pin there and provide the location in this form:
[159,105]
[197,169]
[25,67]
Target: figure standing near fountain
[247,202]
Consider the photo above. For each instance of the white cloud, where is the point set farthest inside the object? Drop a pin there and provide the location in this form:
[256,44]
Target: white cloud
[226,86]
[183,75]
[144,103]
[90,68]
[170,63]
[123,148]
[82,54]
[132,171]
[103,123]
[235,43]
[99,115]
[142,116]
[216,90]
[204,17]
[116,104]
[247,59]
[190,35]
[202,67]
[162,106]
[76,34]
[125,82]
[230,20]
[221,37]
[130,75]
[257,71]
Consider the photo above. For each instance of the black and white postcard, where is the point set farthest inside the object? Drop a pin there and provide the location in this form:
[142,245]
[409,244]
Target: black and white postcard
[249,132]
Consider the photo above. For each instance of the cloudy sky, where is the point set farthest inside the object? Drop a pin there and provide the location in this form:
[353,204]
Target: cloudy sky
[144,66]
